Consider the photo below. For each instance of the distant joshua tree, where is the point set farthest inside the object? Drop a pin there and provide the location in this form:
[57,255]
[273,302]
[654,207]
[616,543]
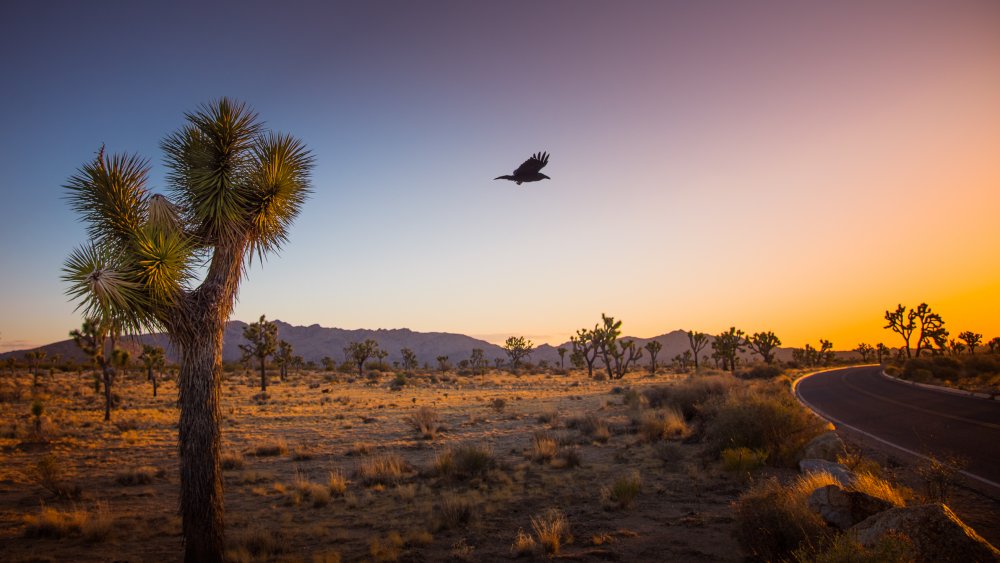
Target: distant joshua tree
[477,361]
[361,351]
[409,360]
[993,345]
[729,344]
[562,357]
[955,347]
[91,338]
[153,359]
[585,345]
[764,344]
[928,325]
[865,351]
[283,358]
[34,359]
[617,354]
[517,348]
[882,351]
[329,364]
[653,347]
[971,339]
[262,342]
[697,341]
[443,364]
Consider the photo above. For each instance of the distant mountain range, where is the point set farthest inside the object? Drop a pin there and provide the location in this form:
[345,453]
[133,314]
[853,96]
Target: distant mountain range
[315,342]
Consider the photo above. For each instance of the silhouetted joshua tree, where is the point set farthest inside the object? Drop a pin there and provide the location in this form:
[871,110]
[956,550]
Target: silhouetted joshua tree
[262,342]
[971,339]
[697,341]
[764,345]
[653,347]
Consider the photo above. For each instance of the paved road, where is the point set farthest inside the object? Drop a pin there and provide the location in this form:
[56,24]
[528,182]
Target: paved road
[920,420]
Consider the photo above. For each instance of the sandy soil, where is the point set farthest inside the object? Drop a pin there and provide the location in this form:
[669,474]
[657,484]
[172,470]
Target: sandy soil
[324,424]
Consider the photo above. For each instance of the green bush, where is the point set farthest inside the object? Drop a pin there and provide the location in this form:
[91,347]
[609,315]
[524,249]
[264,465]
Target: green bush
[765,418]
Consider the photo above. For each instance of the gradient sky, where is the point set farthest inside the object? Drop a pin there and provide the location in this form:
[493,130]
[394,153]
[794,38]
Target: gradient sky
[790,166]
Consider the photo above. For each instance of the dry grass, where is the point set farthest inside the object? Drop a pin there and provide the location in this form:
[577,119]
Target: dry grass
[426,422]
[623,491]
[592,426]
[92,525]
[257,543]
[524,544]
[743,459]
[382,469]
[456,511]
[544,448]
[465,461]
[551,530]
[305,490]
[337,483]
[232,461]
[143,475]
[271,449]
[877,487]
[663,424]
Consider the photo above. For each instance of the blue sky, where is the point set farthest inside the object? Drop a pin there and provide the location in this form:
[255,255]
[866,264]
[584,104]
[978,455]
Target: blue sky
[712,165]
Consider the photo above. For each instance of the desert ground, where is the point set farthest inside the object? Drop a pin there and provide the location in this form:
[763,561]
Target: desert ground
[328,466]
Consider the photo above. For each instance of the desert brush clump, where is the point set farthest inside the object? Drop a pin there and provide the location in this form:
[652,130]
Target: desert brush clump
[465,461]
[591,426]
[231,461]
[662,424]
[382,469]
[92,525]
[742,459]
[273,448]
[337,483]
[691,394]
[551,529]
[142,475]
[763,418]
[458,511]
[544,447]
[53,475]
[893,547]
[524,544]
[257,543]
[425,421]
[773,520]
[623,491]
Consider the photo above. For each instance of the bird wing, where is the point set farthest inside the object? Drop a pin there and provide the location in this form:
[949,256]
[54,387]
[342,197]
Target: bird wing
[533,165]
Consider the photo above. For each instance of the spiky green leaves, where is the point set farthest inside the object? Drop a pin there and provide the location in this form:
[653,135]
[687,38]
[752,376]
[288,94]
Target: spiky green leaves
[109,193]
[104,288]
[278,188]
[235,182]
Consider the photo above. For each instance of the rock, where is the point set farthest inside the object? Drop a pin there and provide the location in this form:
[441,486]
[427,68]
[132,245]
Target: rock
[825,446]
[844,509]
[937,534]
[841,473]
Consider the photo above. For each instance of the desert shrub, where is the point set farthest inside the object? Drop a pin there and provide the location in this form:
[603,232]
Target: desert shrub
[760,371]
[893,547]
[256,544]
[524,544]
[543,447]
[742,459]
[567,458]
[548,417]
[766,419]
[456,511]
[591,426]
[143,475]
[498,404]
[231,461]
[623,491]
[388,548]
[425,422]
[465,461]
[275,448]
[880,488]
[303,489]
[93,525]
[663,424]
[939,476]
[982,364]
[337,484]
[382,469]
[689,395]
[52,474]
[772,521]
[551,530]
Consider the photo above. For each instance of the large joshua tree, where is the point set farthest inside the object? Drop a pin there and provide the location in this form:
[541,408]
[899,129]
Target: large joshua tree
[234,189]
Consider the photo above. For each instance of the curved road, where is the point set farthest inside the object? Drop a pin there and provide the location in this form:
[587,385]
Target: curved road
[915,419]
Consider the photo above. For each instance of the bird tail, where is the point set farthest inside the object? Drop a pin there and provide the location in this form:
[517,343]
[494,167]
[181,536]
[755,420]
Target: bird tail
[504,178]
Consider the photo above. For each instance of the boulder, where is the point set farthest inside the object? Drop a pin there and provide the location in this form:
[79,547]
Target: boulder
[841,473]
[937,534]
[844,509]
[825,446]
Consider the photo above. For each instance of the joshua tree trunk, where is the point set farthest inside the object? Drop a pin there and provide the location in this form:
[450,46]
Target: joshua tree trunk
[200,446]
[263,377]
[107,372]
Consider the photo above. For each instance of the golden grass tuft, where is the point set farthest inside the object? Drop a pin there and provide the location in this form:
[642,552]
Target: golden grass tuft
[93,525]
[337,483]
[426,422]
[143,475]
[623,491]
[271,449]
[382,469]
[551,530]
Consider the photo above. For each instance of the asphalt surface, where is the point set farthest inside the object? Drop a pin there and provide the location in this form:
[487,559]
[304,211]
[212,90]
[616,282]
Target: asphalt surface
[920,420]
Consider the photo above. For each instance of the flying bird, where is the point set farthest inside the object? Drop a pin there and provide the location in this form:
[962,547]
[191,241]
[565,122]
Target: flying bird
[530,170]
